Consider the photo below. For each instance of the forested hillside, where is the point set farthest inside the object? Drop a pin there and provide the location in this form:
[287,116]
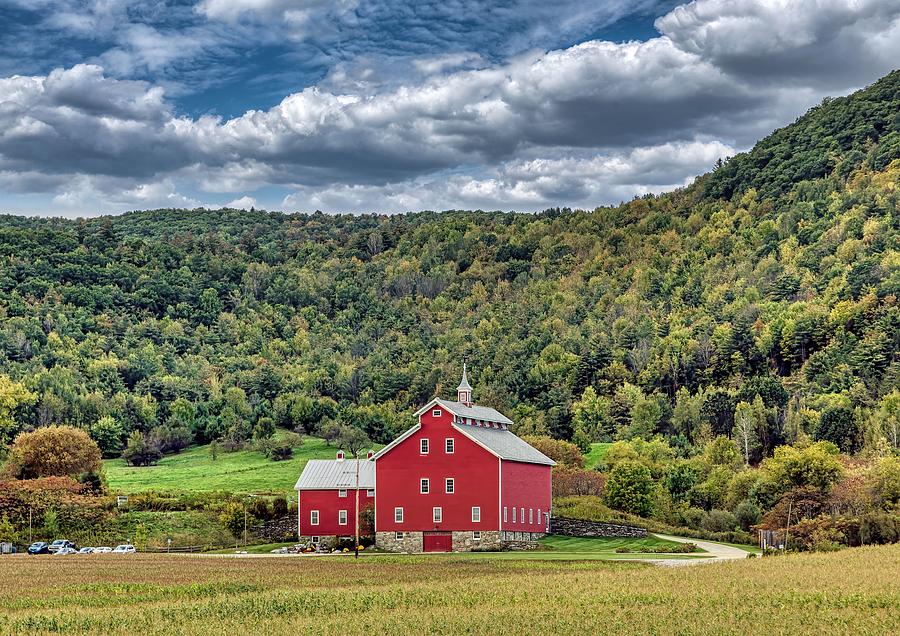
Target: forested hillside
[769,287]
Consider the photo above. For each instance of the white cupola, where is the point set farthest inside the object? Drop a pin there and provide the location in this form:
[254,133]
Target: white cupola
[464,390]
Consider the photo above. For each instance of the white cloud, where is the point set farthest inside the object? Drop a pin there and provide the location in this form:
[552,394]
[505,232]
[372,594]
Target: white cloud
[242,203]
[591,123]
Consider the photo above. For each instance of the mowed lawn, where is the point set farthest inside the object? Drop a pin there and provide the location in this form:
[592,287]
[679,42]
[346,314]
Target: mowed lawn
[195,470]
[853,591]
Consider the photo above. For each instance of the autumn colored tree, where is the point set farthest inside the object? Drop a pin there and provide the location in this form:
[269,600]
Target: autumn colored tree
[53,451]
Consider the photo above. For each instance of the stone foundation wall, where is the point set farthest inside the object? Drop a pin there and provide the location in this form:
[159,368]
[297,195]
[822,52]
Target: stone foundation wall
[463,541]
[325,539]
[411,542]
[583,528]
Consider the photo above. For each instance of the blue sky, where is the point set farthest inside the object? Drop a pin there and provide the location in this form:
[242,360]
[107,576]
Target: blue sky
[389,106]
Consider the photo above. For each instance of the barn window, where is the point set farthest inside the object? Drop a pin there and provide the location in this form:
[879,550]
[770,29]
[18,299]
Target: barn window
[505,514]
[449,485]
[476,535]
[423,446]
[436,413]
[313,517]
[424,485]
[514,514]
[370,492]
[398,535]
[449,445]
[314,539]
[476,514]
[522,514]
[342,517]
[398,515]
[437,514]
[342,493]
[539,515]
[531,515]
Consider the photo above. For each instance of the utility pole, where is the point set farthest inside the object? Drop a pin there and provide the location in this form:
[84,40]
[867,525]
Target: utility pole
[356,512]
[30,539]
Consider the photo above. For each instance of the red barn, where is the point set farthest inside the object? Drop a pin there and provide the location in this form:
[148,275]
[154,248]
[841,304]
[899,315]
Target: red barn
[460,479]
[326,497]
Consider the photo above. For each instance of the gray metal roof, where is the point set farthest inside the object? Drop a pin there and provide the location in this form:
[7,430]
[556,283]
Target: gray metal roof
[328,474]
[504,444]
[473,412]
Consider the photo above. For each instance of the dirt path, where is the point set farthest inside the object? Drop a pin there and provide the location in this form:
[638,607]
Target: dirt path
[717,551]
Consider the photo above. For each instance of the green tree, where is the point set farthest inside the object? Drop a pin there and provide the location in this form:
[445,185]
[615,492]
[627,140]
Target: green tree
[838,425]
[14,396]
[108,434]
[629,488]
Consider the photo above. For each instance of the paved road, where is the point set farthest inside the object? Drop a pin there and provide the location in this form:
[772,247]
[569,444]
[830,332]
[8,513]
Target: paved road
[718,551]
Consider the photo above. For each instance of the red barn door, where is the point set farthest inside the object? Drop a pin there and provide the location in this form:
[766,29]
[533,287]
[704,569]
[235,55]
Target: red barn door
[437,542]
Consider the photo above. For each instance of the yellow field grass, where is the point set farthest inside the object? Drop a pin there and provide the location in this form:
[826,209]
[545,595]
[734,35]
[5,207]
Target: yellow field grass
[850,592]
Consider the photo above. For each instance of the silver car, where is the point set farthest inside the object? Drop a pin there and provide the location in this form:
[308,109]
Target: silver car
[125,548]
[66,551]
[103,549]
[86,550]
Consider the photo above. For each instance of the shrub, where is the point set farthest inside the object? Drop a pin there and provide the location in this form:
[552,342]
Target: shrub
[170,439]
[719,521]
[281,448]
[53,451]
[563,453]
[279,507]
[140,451]
[233,517]
[879,527]
[747,514]
[629,488]
[577,481]
[259,508]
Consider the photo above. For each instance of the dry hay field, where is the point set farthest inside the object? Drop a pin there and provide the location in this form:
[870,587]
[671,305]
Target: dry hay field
[855,591]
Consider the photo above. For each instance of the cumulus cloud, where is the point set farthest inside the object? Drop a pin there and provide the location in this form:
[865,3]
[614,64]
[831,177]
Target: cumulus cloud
[585,124]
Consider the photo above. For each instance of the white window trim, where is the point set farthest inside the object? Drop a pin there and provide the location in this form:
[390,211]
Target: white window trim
[436,413]
[476,514]
[342,492]
[423,446]
[505,514]
[342,513]
[314,538]
[514,515]
[451,482]
[313,517]
[424,486]
[451,444]
[398,510]
[531,515]
[476,535]
[522,515]
[437,514]
[398,535]
[370,492]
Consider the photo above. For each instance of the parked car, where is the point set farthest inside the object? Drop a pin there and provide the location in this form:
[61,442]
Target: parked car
[103,549]
[66,551]
[39,547]
[59,544]
[86,550]
[125,548]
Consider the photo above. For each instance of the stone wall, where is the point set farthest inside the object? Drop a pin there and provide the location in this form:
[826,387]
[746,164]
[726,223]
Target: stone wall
[411,542]
[463,541]
[277,530]
[583,528]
